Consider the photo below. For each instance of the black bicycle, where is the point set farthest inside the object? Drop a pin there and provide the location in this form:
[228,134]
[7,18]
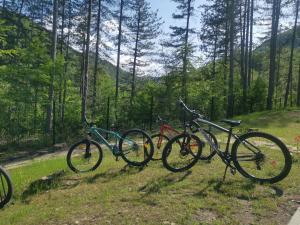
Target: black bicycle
[258,156]
[6,188]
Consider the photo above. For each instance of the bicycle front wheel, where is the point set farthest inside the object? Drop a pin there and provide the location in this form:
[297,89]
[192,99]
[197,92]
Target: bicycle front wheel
[261,157]
[182,152]
[6,188]
[159,141]
[84,156]
[136,147]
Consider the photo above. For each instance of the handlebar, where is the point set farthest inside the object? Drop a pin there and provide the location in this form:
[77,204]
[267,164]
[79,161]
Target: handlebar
[191,111]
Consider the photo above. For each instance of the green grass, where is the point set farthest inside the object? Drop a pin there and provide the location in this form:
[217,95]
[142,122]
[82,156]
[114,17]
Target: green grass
[116,195]
[285,124]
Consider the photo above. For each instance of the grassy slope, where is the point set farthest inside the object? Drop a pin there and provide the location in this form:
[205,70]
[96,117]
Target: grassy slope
[284,124]
[112,195]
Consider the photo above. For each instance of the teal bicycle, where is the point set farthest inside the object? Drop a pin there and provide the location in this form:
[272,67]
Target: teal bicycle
[134,146]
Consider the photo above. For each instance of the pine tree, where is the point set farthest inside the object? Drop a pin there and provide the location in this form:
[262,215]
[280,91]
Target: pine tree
[276,8]
[182,49]
[51,88]
[144,27]
[86,63]
[289,90]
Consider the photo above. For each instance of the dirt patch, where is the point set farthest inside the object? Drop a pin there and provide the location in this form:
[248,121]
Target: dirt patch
[282,216]
[245,215]
[205,216]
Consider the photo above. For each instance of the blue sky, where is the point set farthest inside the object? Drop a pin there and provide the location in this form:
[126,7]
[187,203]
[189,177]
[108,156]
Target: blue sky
[167,7]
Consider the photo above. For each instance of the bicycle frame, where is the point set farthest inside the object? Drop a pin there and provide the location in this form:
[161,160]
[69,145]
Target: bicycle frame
[95,131]
[165,128]
[224,155]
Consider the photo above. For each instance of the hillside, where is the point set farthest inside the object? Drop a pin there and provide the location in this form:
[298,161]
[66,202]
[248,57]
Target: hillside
[12,19]
[284,40]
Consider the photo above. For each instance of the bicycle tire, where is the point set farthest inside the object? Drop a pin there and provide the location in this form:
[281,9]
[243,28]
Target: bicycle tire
[168,148]
[147,153]
[272,161]
[154,158]
[6,187]
[95,165]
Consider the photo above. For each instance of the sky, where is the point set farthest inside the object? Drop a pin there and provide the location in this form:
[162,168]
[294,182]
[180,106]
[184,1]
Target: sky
[165,10]
[167,7]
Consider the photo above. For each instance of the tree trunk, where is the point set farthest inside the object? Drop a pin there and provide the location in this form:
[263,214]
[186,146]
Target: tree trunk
[86,67]
[51,88]
[35,108]
[277,73]
[135,55]
[119,51]
[82,63]
[288,89]
[186,40]
[66,67]
[298,93]
[273,46]
[96,61]
[231,59]
[251,43]
[61,52]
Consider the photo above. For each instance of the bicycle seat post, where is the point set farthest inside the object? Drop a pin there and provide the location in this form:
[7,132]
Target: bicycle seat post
[228,139]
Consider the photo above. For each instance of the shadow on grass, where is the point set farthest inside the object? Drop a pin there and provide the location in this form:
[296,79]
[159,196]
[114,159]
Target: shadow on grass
[110,174]
[244,190]
[155,185]
[47,183]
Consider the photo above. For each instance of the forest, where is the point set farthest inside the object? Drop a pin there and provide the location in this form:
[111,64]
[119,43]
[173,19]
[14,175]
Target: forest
[115,62]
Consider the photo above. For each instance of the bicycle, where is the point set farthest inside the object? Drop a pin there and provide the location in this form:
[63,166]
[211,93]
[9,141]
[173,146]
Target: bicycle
[166,132]
[134,146]
[6,188]
[258,156]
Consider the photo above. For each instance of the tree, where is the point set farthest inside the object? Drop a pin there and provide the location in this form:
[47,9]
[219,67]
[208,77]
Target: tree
[179,42]
[86,64]
[289,89]
[121,17]
[104,13]
[51,88]
[144,26]
[230,97]
[276,8]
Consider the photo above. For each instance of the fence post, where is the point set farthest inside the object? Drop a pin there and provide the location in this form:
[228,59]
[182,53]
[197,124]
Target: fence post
[151,112]
[212,108]
[54,124]
[107,113]
[280,103]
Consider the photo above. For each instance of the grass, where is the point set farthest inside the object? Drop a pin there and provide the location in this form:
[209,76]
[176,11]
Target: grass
[115,194]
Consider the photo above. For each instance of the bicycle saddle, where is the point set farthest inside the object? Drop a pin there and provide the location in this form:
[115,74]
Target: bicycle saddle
[232,123]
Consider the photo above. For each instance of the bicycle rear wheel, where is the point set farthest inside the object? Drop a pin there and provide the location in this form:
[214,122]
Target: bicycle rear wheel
[6,188]
[261,157]
[84,156]
[136,147]
[182,152]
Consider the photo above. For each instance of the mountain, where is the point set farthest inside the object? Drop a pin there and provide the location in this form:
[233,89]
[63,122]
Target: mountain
[13,19]
[284,40]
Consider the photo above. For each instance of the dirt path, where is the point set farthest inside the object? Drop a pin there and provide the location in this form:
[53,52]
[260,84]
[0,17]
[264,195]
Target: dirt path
[43,154]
